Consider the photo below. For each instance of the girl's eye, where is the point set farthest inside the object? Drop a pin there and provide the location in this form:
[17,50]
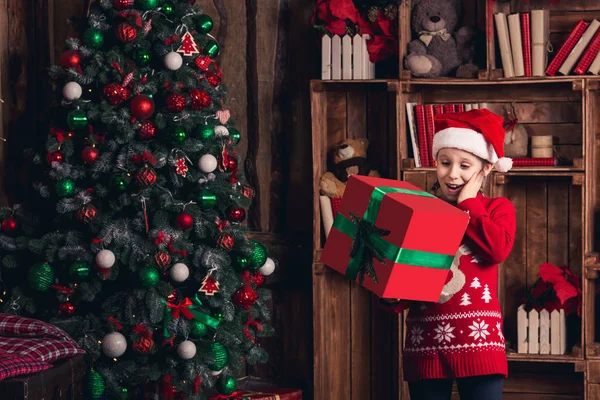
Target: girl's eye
[445,163]
[465,166]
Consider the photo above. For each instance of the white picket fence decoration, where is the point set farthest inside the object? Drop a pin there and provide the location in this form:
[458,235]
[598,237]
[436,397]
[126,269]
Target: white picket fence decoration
[541,332]
[346,57]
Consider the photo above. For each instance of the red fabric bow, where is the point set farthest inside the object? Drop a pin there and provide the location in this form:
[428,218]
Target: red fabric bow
[115,323]
[172,39]
[142,329]
[63,289]
[59,134]
[181,253]
[144,157]
[161,238]
[97,240]
[197,382]
[136,16]
[181,308]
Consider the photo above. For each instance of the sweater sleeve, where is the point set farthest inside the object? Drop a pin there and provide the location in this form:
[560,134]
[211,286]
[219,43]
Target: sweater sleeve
[491,230]
[395,307]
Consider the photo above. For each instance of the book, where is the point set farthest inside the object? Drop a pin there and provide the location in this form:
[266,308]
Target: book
[540,36]
[412,128]
[567,47]
[526,40]
[430,130]
[422,135]
[504,43]
[580,46]
[516,45]
[589,55]
[534,162]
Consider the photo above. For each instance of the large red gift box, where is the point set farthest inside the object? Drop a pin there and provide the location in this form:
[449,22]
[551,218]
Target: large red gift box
[273,394]
[395,239]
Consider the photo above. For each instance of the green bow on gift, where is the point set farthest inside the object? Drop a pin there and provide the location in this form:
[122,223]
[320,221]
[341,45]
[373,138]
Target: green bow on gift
[364,248]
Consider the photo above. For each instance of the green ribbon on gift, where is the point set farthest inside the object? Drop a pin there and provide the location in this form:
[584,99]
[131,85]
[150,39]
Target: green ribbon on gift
[367,241]
[190,310]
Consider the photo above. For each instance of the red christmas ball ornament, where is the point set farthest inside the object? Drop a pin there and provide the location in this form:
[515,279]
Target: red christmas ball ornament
[229,164]
[144,346]
[147,130]
[236,214]
[162,259]
[87,213]
[54,156]
[70,59]
[116,94]
[184,221]
[175,102]
[66,309]
[213,79]
[126,32]
[225,241]
[123,4]
[90,155]
[257,278]
[9,225]
[199,99]
[142,106]
[146,176]
[245,297]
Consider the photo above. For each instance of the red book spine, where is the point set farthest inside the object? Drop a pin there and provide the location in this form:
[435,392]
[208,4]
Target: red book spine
[567,47]
[588,56]
[438,109]
[430,132]
[526,39]
[534,162]
[448,108]
[459,107]
[422,134]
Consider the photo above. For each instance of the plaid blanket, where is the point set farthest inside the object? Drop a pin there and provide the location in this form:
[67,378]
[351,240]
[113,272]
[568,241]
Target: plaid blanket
[28,345]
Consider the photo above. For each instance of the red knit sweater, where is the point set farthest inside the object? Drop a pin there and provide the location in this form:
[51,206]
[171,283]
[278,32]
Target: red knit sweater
[461,335]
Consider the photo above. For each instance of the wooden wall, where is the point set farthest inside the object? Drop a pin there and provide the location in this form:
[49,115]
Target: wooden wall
[268,57]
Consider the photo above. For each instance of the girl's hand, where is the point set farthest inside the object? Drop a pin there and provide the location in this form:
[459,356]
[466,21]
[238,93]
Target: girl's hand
[471,188]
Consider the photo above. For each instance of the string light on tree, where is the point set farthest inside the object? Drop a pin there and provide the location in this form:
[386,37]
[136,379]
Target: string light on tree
[94,38]
[72,91]
[54,156]
[173,61]
[114,345]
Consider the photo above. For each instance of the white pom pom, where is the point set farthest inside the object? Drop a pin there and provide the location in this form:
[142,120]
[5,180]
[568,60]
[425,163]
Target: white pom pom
[207,163]
[268,267]
[114,345]
[71,91]
[173,61]
[105,259]
[220,131]
[504,164]
[186,349]
[179,272]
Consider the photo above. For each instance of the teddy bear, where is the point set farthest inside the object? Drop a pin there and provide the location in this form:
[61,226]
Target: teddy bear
[349,157]
[441,49]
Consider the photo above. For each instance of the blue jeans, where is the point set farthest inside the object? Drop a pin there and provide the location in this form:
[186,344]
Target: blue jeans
[484,387]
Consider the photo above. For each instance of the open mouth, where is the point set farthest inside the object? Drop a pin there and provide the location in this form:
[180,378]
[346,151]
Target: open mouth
[452,189]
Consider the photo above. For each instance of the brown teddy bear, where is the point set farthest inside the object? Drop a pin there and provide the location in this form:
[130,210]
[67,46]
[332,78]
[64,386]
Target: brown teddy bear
[349,157]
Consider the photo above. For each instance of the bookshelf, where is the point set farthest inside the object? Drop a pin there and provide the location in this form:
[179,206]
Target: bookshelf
[357,351]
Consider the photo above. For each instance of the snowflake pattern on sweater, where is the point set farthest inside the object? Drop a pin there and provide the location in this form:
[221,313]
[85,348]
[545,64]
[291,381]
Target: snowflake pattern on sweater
[461,335]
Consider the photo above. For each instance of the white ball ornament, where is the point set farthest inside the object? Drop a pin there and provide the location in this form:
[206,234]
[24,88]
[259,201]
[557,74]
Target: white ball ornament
[173,61]
[221,131]
[186,349]
[114,345]
[179,272]
[105,259]
[207,163]
[268,267]
[216,373]
[72,91]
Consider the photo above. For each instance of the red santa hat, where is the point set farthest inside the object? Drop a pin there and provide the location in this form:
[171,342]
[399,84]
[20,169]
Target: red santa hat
[478,131]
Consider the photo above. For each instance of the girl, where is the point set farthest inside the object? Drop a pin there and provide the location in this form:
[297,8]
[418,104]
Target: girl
[460,337]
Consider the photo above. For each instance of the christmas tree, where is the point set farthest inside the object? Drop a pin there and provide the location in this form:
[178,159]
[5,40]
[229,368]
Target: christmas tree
[135,243]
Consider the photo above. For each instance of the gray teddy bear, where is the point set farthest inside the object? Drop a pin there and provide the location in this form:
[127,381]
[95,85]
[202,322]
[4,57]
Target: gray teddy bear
[438,50]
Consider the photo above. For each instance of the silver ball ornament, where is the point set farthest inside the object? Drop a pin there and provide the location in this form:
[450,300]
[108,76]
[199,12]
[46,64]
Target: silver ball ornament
[105,259]
[268,267]
[186,349]
[114,345]
[221,131]
[179,272]
[173,61]
[72,91]
[207,163]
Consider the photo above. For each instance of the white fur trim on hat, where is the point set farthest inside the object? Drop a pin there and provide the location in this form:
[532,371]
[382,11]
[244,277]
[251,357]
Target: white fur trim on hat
[504,164]
[464,139]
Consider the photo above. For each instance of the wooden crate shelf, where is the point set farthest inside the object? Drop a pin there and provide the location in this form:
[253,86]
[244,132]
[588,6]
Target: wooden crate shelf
[552,358]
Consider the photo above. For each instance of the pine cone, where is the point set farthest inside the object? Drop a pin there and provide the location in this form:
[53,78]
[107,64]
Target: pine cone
[391,12]
[373,14]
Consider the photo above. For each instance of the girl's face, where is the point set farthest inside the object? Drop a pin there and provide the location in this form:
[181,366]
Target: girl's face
[454,169]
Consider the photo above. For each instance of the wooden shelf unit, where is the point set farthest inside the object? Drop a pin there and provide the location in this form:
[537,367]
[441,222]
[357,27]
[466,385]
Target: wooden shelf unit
[358,346]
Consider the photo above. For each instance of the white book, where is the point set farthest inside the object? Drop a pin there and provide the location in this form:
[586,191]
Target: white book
[516,44]
[540,35]
[595,65]
[577,51]
[504,44]
[412,126]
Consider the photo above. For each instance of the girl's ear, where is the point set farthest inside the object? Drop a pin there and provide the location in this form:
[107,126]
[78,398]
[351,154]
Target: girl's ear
[487,168]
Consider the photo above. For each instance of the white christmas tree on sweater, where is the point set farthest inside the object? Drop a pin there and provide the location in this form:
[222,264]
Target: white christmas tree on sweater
[475,283]
[466,300]
[486,294]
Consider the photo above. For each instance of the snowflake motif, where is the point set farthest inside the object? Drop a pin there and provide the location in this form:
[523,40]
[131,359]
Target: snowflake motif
[180,167]
[416,335]
[499,330]
[444,332]
[479,330]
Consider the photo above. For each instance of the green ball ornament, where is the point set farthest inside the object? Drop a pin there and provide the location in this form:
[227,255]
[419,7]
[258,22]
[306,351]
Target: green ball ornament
[147,4]
[77,119]
[241,262]
[211,49]
[96,384]
[204,24]
[168,9]
[178,136]
[65,187]
[198,329]
[207,199]
[79,270]
[219,354]
[205,132]
[94,38]
[234,135]
[226,385]
[148,277]
[141,57]
[258,256]
[118,183]
[41,277]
